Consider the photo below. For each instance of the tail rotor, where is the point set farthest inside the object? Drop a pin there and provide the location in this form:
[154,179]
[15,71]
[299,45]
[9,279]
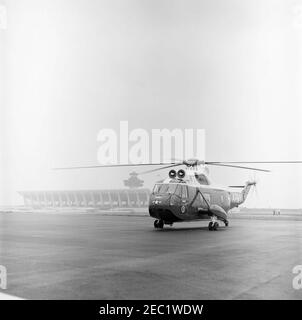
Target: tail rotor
[253,180]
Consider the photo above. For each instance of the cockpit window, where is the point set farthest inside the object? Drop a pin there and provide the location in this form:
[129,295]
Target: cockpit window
[171,188]
[165,188]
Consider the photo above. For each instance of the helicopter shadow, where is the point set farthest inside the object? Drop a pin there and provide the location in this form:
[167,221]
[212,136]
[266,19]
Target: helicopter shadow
[179,229]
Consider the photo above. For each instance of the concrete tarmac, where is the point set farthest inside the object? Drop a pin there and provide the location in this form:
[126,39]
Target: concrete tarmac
[92,256]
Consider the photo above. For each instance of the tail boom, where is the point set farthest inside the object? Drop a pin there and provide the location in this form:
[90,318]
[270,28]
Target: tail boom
[237,198]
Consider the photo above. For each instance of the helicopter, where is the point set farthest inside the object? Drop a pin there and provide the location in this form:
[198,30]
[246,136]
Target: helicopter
[189,195]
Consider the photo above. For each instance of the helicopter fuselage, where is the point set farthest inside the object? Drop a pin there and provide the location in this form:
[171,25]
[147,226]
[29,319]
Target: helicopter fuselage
[187,203]
[177,200]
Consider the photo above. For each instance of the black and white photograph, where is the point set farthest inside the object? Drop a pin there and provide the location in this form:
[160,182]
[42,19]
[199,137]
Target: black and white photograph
[150,150]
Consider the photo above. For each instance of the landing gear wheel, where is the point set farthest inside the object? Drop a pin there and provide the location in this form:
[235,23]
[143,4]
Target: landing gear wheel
[158,224]
[226,223]
[215,226]
[211,226]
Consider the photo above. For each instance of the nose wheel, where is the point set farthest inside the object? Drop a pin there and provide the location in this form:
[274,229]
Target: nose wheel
[158,224]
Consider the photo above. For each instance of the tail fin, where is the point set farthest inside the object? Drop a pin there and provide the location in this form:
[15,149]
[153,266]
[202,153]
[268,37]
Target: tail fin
[247,188]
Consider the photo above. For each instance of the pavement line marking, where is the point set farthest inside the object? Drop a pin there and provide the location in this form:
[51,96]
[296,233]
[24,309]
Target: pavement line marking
[4,296]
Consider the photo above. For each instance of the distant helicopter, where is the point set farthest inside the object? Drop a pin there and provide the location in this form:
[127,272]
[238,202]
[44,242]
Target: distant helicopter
[188,195]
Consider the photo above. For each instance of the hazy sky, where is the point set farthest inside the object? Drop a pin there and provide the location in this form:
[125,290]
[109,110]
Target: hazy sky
[73,67]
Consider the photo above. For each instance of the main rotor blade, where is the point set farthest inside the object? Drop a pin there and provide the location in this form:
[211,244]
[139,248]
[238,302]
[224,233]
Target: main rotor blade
[238,167]
[162,168]
[172,164]
[253,162]
[114,166]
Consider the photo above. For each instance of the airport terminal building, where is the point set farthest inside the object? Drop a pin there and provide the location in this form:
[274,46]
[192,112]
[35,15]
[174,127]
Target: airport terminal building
[114,198]
[134,196]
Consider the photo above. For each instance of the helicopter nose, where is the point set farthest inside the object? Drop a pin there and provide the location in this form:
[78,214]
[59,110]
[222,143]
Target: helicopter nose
[161,200]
